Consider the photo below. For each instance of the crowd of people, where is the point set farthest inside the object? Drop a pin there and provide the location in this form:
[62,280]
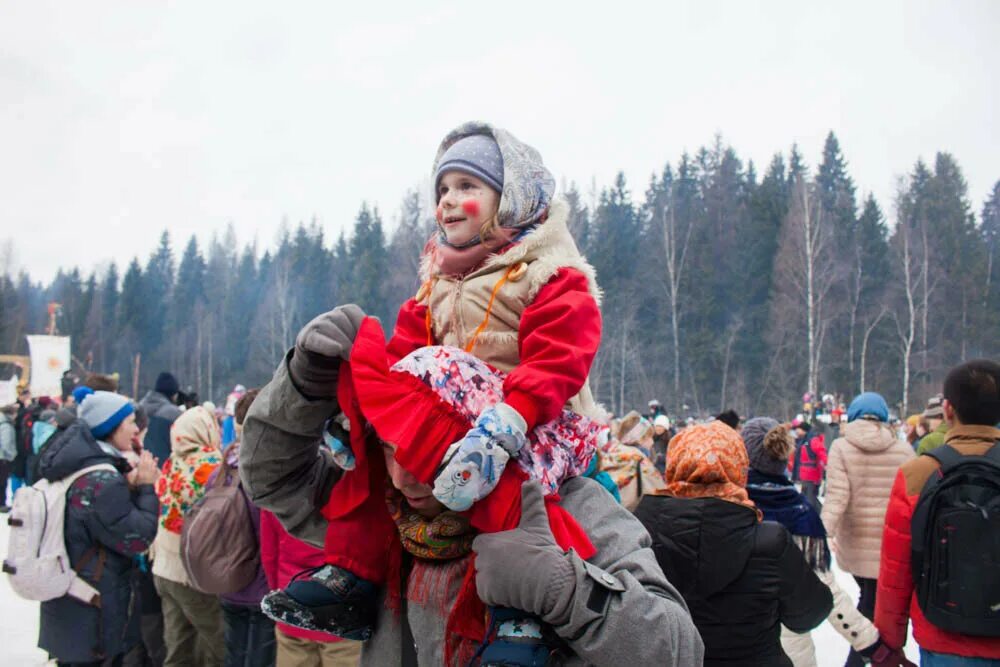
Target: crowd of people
[454,495]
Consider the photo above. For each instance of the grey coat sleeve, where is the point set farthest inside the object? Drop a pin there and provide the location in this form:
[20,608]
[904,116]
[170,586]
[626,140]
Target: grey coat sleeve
[621,604]
[283,465]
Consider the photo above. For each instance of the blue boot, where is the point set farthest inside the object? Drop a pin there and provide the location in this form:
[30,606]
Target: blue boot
[327,599]
[518,640]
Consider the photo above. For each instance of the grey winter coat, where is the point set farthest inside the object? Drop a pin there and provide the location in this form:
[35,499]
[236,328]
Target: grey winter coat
[103,513]
[621,608]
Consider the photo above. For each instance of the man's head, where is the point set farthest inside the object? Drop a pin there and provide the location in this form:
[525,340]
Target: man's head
[972,394]
[24,397]
[418,496]
[167,385]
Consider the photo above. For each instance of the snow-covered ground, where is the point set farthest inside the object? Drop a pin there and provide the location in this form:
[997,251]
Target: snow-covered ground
[19,626]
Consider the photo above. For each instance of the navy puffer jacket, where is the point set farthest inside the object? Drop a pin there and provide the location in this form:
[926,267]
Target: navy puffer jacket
[103,512]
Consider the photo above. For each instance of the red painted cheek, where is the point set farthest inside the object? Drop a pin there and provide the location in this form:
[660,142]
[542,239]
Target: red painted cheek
[439,214]
[471,207]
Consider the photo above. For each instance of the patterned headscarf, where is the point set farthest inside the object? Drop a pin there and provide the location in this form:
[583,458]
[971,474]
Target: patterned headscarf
[194,429]
[528,186]
[708,461]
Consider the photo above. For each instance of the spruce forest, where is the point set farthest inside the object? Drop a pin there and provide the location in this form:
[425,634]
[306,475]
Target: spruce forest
[726,284]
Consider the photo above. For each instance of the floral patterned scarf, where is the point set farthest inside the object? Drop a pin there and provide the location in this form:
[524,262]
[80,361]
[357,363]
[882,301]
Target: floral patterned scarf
[445,537]
[708,461]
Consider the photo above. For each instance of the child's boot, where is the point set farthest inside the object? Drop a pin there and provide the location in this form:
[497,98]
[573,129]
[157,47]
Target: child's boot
[327,599]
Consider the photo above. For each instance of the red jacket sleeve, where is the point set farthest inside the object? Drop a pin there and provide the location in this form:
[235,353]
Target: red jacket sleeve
[411,330]
[895,580]
[270,536]
[558,337]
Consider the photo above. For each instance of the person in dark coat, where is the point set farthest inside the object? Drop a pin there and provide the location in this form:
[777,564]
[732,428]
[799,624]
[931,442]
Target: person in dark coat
[742,579]
[107,523]
[161,406]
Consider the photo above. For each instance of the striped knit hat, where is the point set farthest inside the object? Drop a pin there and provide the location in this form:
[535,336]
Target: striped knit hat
[103,411]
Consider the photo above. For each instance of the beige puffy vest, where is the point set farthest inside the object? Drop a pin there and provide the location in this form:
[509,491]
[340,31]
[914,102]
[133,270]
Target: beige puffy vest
[458,306]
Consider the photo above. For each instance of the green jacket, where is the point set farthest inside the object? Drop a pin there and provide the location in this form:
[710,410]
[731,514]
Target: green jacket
[934,439]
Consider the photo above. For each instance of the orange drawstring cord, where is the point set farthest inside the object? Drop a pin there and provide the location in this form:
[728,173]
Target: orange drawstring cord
[514,273]
[489,306]
[422,293]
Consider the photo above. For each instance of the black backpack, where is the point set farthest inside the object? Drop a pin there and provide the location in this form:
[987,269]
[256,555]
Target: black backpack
[956,543]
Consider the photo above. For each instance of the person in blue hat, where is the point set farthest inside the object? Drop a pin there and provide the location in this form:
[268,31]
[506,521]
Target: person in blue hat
[862,466]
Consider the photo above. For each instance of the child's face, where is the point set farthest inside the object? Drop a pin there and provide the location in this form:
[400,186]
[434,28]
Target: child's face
[465,204]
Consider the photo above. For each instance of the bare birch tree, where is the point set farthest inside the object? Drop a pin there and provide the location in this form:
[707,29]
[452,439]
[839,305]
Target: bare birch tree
[806,271]
[675,248]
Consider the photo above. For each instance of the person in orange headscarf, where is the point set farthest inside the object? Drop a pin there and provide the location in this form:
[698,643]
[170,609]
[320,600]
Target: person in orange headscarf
[742,579]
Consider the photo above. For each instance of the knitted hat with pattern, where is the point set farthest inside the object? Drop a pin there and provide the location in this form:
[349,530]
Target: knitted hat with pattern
[476,154]
[761,458]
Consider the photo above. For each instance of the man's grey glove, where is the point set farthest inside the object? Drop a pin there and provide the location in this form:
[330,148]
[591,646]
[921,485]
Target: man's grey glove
[320,347]
[524,568]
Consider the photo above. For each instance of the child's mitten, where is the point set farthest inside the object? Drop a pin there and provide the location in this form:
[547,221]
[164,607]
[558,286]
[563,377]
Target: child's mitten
[473,465]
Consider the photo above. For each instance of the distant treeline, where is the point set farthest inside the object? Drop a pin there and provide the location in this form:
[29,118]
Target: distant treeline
[722,287]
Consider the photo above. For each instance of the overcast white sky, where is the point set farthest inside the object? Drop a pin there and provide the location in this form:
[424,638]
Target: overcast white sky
[119,119]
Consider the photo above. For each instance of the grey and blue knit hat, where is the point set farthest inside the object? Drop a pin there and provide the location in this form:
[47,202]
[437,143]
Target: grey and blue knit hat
[476,154]
[103,411]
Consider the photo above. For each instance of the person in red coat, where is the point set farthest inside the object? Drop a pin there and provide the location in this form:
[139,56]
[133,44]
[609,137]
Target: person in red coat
[812,466]
[972,410]
[282,557]
[808,464]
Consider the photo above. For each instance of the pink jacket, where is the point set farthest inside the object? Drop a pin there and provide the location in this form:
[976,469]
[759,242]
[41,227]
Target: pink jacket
[284,556]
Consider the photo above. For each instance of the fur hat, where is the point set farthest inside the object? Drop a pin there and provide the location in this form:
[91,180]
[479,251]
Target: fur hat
[768,445]
[868,404]
[101,381]
[103,411]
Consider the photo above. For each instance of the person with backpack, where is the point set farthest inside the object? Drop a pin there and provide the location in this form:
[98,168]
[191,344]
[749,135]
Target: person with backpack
[861,468]
[106,522]
[192,620]
[249,634]
[940,564]
[811,463]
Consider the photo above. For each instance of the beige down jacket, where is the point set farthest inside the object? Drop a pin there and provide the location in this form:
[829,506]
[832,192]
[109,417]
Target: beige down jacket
[859,476]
